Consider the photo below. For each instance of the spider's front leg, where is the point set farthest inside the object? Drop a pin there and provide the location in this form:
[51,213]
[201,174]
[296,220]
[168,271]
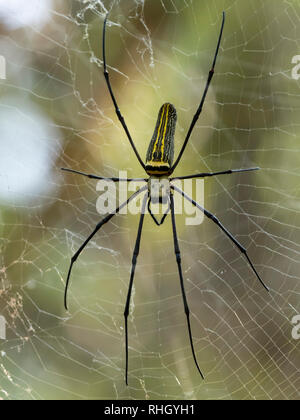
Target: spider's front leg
[134,262]
[98,227]
[185,303]
[227,233]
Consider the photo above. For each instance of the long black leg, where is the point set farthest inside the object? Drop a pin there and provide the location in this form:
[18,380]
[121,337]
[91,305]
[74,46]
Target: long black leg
[134,261]
[199,110]
[91,176]
[118,112]
[227,233]
[178,259]
[208,174]
[98,227]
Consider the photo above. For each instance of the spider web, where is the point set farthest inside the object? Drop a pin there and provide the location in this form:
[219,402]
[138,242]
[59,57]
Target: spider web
[55,102]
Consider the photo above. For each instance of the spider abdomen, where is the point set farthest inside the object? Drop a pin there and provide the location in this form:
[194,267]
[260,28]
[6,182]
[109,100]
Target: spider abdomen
[160,153]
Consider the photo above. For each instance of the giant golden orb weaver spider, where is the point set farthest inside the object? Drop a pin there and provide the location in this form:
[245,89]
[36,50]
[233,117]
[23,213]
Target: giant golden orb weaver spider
[159,165]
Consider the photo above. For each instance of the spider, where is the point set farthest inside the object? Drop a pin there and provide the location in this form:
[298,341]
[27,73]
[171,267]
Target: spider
[159,166]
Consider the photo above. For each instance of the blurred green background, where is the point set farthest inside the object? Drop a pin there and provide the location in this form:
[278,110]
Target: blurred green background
[55,111]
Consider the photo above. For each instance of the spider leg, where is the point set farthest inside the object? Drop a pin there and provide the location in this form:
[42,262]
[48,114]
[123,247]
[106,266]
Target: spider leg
[185,303]
[98,227]
[199,110]
[227,233]
[134,261]
[91,176]
[118,112]
[209,174]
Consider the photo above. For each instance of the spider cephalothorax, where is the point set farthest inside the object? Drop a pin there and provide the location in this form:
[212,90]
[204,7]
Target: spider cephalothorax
[159,166]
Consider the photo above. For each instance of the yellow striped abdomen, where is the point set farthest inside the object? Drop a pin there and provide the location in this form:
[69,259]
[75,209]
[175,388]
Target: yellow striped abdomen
[160,153]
